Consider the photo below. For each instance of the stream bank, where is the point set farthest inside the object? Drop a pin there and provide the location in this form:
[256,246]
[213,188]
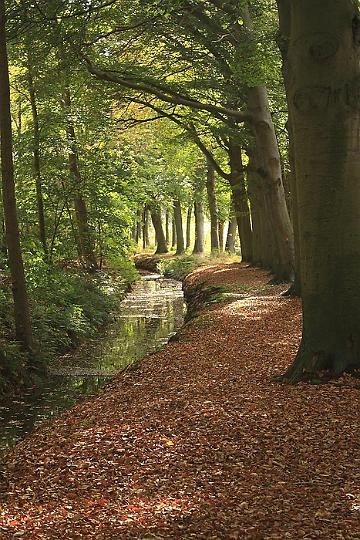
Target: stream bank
[150,313]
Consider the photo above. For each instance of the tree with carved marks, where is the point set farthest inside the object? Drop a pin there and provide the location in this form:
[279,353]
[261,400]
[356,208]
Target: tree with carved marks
[320,46]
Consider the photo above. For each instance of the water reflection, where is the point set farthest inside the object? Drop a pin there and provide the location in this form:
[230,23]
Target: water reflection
[148,316]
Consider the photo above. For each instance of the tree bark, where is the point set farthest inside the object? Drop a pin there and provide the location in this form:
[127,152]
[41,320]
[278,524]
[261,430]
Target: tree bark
[159,231]
[173,233]
[212,203]
[86,243]
[167,226]
[188,226]
[269,169]
[180,245]
[23,327]
[324,103]
[145,216]
[221,235]
[240,199]
[199,245]
[232,227]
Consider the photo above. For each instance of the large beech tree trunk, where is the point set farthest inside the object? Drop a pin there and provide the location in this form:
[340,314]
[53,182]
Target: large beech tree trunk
[269,169]
[180,245]
[213,211]
[240,200]
[159,231]
[324,103]
[21,306]
[36,156]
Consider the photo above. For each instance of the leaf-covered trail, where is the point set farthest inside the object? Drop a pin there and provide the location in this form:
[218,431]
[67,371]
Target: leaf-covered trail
[196,441]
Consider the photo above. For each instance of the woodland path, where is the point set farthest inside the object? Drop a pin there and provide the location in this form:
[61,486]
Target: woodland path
[197,441]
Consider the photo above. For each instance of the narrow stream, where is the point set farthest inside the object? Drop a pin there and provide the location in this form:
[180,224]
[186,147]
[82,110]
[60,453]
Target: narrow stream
[149,315]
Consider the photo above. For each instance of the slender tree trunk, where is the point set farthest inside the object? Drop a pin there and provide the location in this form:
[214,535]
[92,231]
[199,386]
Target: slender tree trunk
[240,198]
[167,226]
[199,245]
[180,245]
[146,239]
[159,231]
[21,306]
[232,227]
[188,226]
[138,227]
[221,235]
[211,194]
[173,233]
[86,242]
[323,100]
[36,156]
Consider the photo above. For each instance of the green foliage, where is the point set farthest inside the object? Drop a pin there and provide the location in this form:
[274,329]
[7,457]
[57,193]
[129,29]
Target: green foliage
[67,306]
[180,267]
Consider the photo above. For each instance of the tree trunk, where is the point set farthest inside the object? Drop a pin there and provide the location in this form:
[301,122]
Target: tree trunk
[323,99]
[36,156]
[159,231]
[232,227]
[221,235]
[188,226]
[167,226]
[199,245]
[86,243]
[21,306]
[240,198]
[146,240]
[173,233]
[180,246]
[270,171]
[212,203]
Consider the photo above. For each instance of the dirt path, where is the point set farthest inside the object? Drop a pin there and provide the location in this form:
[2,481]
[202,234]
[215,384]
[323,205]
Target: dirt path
[198,442]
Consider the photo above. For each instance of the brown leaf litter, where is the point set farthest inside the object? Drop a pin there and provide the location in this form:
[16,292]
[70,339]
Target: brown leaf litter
[197,441]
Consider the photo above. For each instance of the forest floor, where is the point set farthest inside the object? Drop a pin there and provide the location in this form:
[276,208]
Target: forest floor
[197,440]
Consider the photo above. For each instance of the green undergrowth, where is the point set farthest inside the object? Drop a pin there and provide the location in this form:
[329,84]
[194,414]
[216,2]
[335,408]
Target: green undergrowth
[68,306]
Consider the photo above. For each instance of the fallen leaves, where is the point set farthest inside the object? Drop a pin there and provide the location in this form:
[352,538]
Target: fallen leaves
[199,442]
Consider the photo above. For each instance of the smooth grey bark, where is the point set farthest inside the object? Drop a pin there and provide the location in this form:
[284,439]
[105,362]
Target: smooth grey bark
[269,169]
[23,328]
[324,103]
[213,211]
[180,244]
[159,231]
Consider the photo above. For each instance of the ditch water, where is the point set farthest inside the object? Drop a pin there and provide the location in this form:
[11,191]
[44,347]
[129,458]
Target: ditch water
[149,315]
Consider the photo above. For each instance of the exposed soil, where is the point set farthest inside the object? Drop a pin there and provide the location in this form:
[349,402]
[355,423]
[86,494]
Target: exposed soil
[197,441]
